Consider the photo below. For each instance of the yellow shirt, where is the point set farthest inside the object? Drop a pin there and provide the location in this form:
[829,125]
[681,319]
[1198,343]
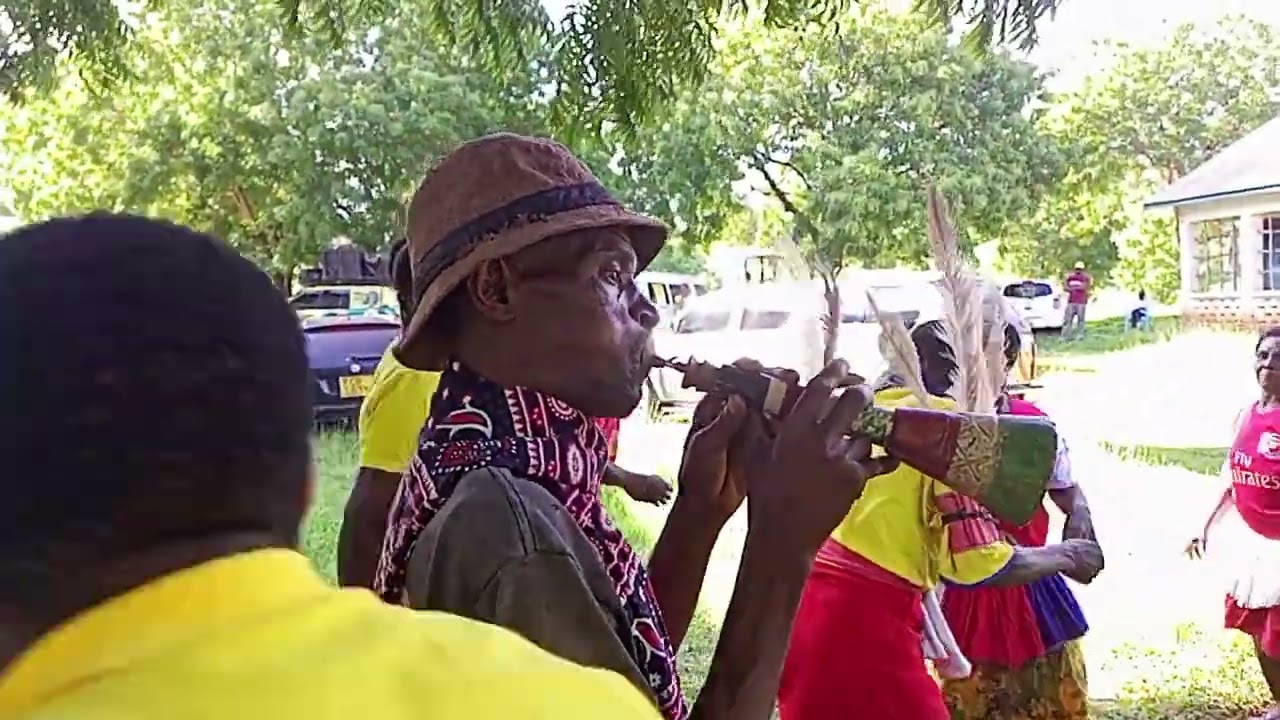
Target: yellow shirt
[259,635]
[897,523]
[393,413]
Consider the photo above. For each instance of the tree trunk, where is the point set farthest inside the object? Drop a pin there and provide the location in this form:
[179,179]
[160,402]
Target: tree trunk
[283,279]
[831,328]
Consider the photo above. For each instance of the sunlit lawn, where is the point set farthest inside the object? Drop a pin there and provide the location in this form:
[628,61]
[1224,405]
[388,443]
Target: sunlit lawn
[1149,431]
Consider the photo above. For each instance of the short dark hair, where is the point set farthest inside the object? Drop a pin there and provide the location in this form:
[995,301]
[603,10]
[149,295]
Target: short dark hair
[1012,345]
[937,361]
[934,350]
[1269,332]
[401,271]
[155,388]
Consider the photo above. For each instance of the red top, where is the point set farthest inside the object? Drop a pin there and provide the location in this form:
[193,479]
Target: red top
[1078,284]
[610,427]
[1255,470]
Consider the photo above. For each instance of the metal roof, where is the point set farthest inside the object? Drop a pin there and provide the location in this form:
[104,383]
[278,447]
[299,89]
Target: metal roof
[1248,166]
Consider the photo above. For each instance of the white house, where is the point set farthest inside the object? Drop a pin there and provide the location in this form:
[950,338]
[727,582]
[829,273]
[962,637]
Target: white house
[1228,213]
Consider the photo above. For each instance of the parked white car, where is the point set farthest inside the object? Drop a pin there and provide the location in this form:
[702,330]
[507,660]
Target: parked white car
[777,324]
[1042,303]
[669,291]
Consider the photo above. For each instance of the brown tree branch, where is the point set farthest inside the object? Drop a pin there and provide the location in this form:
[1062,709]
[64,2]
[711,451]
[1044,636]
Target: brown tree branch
[789,164]
[762,164]
[243,204]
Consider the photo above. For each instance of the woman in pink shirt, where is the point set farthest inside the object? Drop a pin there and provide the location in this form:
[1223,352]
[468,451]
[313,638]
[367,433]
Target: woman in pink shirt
[1250,538]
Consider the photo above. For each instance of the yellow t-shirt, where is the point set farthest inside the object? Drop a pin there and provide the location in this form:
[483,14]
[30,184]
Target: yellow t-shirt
[897,524]
[393,413]
[260,636]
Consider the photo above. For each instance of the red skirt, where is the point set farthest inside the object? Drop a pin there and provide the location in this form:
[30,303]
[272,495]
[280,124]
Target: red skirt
[856,648]
[1261,623]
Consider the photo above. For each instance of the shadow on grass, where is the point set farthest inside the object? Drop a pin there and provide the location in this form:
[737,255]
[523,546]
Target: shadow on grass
[1203,460]
[1204,676]
[1104,336]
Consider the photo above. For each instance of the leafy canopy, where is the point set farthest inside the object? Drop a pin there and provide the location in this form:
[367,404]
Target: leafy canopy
[844,130]
[277,144]
[618,59]
[1152,116]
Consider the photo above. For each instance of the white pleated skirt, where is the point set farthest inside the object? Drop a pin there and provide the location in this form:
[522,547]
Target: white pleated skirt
[1249,562]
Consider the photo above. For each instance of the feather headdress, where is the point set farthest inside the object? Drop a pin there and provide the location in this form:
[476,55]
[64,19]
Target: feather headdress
[899,350]
[978,353]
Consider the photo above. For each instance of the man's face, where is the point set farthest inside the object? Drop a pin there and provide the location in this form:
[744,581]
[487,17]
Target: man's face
[581,321]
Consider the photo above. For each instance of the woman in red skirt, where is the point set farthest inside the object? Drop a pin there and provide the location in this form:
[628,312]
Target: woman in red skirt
[1249,509]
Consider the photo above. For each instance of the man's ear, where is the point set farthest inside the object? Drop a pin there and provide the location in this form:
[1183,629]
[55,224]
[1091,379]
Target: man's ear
[490,288]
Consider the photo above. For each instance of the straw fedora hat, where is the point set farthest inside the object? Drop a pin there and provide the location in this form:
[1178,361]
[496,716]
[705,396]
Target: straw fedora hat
[496,195]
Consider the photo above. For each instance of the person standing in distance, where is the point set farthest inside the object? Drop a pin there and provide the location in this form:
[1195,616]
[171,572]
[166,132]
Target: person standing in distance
[1078,284]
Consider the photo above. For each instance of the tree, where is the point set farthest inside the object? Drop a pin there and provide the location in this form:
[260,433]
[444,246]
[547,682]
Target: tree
[279,146]
[846,132]
[610,58]
[1154,115]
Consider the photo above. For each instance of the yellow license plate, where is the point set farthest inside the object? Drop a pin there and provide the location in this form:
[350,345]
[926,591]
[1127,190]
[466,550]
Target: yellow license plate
[353,386]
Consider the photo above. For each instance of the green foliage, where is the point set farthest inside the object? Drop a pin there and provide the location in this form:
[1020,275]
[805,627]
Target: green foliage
[1170,108]
[619,59]
[1149,260]
[277,145]
[843,130]
[680,256]
[1153,116]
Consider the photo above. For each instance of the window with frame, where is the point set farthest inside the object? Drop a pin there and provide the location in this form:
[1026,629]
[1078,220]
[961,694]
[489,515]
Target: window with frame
[764,319]
[698,321]
[1270,252]
[1217,255]
[658,294]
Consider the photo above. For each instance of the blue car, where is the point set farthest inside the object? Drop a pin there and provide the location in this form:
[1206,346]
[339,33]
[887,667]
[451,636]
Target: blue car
[343,351]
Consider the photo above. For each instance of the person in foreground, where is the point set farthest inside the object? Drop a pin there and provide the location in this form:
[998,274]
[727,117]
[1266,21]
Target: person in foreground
[156,429]
[1248,544]
[524,267]
[1023,640]
[391,420]
[857,647]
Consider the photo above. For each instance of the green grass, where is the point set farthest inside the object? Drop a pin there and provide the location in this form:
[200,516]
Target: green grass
[1203,460]
[1202,676]
[336,454]
[1109,335]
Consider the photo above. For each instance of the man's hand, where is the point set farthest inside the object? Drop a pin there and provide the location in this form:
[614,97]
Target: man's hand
[801,482]
[710,489]
[650,489]
[807,477]
[719,449]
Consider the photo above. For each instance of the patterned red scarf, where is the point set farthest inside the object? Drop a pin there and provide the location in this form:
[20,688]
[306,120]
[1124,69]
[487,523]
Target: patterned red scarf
[475,423]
